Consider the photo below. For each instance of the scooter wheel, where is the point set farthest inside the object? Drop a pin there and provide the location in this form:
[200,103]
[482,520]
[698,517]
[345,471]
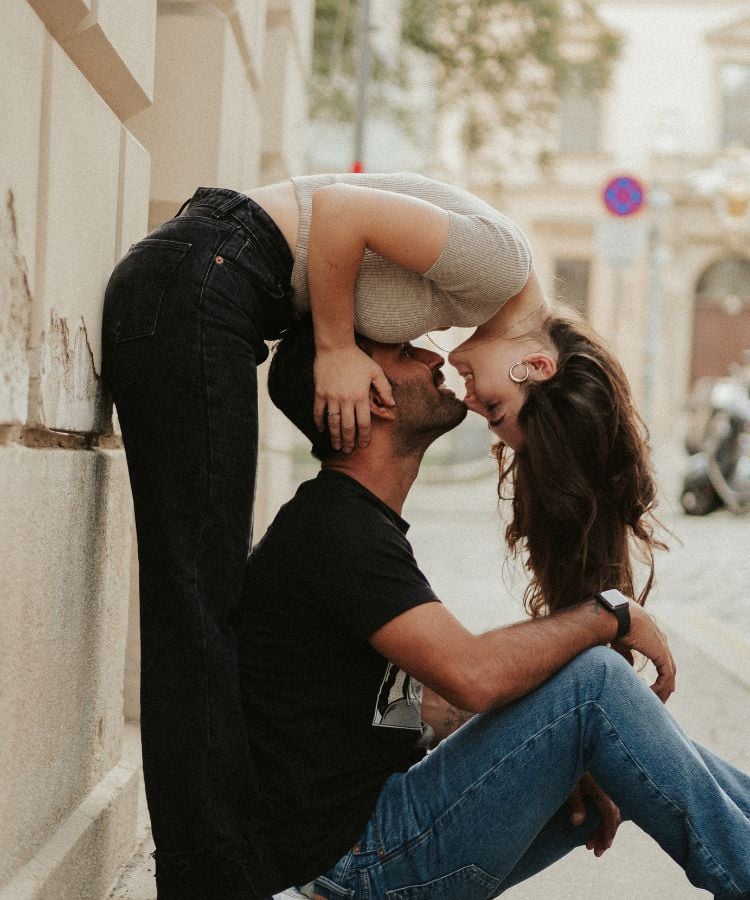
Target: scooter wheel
[699,501]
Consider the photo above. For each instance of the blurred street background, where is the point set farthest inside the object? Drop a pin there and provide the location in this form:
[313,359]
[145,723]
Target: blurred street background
[617,134]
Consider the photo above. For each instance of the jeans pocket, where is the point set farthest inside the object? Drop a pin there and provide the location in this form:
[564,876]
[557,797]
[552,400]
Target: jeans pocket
[254,264]
[137,286]
[468,883]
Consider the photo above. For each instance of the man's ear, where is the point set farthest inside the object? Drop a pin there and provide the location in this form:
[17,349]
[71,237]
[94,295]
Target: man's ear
[380,410]
[542,366]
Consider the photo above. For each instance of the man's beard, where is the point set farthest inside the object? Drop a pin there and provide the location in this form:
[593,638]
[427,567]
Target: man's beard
[422,416]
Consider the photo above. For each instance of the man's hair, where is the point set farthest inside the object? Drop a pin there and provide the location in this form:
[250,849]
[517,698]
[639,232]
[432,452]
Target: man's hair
[291,384]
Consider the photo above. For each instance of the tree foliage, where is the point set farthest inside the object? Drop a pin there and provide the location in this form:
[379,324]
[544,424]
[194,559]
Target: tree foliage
[504,63]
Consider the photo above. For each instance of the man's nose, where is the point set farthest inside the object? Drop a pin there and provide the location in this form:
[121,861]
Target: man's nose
[430,358]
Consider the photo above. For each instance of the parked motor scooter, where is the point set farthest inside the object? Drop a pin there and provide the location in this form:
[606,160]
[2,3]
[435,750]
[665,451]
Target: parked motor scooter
[718,471]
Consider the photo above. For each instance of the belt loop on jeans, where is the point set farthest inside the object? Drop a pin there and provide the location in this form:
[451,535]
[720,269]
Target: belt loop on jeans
[229,205]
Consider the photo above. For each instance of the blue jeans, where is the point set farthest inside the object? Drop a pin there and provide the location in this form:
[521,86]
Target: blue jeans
[186,314]
[486,809]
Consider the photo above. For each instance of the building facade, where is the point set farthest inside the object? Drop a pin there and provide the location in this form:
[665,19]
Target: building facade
[669,287]
[113,113]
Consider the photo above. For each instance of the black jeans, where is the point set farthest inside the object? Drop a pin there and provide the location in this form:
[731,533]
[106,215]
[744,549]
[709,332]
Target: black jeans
[186,313]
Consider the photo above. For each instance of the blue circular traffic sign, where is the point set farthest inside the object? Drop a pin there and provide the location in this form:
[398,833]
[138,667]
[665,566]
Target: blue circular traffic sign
[624,195]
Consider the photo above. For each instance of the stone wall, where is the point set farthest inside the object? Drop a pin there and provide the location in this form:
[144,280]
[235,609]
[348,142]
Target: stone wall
[112,114]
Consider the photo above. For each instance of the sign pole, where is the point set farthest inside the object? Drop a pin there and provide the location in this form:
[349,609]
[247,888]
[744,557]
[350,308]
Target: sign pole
[363,84]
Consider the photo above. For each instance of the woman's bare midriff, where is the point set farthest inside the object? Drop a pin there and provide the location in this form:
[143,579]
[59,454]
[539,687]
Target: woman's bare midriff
[280,202]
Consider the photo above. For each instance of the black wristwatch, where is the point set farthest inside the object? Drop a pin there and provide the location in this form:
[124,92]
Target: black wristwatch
[618,604]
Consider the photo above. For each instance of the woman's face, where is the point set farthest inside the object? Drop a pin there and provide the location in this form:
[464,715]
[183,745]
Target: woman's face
[484,363]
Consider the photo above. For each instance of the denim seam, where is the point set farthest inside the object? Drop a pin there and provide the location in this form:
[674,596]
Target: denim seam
[225,226]
[425,833]
[732,884]
[252,239]
[209,469]
[491,771]
[507,756]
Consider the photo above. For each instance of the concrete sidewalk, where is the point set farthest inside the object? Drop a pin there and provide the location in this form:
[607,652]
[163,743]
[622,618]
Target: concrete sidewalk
[457,538]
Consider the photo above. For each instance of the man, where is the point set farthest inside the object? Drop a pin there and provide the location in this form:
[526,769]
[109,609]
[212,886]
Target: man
[339,632]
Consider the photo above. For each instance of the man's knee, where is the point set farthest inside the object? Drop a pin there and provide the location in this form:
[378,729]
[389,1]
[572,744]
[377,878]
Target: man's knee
[602,665]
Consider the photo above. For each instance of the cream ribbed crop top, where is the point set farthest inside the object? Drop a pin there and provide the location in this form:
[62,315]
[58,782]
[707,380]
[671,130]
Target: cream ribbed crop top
[486,260]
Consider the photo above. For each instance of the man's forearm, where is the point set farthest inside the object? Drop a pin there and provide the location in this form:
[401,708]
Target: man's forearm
[442,716]
[479,672]
[513,660]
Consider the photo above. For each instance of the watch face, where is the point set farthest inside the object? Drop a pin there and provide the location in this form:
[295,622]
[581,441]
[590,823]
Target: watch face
[614,598]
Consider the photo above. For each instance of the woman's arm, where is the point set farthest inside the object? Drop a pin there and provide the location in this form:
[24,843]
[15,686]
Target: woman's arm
[346,220]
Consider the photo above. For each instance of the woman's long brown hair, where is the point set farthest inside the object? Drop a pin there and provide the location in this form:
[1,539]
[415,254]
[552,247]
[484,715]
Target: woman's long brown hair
[583,491]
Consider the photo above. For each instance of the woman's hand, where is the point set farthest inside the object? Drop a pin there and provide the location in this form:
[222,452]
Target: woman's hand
[343,377]
[602,837]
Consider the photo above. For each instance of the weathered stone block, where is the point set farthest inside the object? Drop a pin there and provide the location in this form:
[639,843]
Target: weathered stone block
[111,42]
[84,855]
[284,107]
[77,239]
[15,320]
[64,589]
[297,16]
[253,142]
[231,138]
[61,16]
[130,30]
[132,201]
[132,685]
[22,49]
[185,104]
[196,103]
[248,21]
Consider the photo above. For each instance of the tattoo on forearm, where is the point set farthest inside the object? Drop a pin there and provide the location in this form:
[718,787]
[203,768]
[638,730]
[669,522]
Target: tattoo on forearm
[455,718]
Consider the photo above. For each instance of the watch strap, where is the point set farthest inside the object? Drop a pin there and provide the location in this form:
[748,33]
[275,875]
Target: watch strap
[617,603]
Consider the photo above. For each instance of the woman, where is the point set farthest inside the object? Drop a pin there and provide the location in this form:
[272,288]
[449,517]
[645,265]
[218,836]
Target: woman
[186,315]
[582,487]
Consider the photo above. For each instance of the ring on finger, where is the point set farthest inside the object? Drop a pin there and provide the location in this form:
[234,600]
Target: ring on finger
[333,412]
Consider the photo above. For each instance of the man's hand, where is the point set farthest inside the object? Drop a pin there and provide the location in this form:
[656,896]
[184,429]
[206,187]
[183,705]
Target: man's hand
[647,638]
[601,839]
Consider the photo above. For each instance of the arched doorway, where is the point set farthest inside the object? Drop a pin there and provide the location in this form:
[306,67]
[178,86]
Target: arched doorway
[721,317]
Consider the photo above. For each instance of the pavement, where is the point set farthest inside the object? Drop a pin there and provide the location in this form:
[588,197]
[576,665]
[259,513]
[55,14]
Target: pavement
[702,601]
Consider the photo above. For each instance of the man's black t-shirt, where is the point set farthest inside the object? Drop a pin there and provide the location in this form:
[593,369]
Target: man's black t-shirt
[329,718]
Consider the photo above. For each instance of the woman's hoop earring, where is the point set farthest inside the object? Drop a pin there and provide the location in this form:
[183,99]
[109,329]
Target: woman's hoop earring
[514,377]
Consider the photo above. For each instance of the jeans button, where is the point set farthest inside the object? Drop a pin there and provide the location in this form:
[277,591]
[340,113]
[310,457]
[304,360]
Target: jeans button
[219,260]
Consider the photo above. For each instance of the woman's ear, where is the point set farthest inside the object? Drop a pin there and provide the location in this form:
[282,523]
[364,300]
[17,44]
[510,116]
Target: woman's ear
[542,366]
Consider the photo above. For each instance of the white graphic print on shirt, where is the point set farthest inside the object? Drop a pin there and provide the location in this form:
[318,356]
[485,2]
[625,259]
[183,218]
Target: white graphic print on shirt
[399,703]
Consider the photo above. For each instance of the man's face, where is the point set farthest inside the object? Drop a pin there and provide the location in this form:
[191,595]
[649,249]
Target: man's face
[425,407]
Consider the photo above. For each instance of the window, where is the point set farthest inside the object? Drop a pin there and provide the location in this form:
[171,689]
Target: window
[726,278]
[735,98]
[572,282]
